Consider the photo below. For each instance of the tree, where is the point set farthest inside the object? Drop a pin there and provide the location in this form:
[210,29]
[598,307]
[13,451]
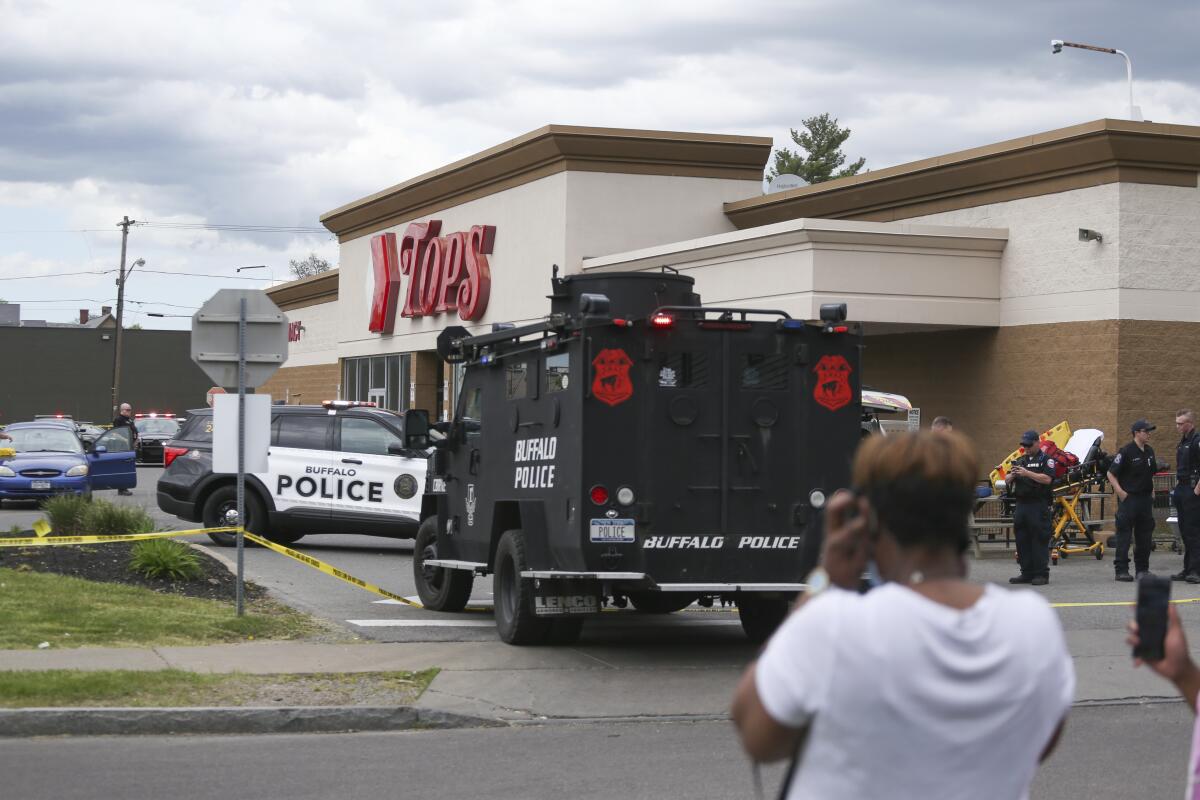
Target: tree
[822,140]
[306,268]
[137,326]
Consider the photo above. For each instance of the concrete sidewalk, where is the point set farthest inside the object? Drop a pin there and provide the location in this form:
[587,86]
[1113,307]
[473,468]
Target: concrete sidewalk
[499,682]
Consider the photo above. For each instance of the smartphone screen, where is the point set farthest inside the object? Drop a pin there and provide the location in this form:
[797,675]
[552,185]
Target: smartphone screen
[1154,594]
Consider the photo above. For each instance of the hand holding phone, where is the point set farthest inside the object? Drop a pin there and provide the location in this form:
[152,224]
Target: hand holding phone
[1153,600]
[847,549]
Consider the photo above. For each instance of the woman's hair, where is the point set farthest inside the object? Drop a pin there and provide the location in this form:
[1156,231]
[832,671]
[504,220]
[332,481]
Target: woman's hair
[921,485]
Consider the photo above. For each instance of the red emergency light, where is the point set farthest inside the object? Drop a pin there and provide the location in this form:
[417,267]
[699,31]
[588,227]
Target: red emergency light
[662,321]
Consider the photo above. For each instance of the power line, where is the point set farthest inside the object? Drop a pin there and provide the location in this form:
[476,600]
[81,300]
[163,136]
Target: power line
[108,300]
[204,275]
[58,275]
[215,226]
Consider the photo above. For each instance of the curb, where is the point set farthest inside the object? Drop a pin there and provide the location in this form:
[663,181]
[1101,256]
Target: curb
[20,722]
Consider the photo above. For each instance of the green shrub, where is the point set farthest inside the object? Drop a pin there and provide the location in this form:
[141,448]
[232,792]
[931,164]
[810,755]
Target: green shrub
[165,558]
[105,519]
[67,514]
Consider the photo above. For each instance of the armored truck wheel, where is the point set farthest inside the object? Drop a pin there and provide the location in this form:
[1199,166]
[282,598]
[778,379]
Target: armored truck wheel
[661,602]
[440,589]
[516,621]
[761,615]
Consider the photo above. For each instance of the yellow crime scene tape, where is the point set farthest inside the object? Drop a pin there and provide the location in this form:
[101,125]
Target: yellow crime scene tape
[329,569]
[56,541]
[42,528]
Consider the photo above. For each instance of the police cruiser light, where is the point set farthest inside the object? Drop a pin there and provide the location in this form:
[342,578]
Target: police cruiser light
[816,498]
[625,496]
[349,404]
[662,321]
[599,495]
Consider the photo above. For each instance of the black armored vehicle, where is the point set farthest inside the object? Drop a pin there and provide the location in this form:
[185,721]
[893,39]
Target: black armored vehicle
[635,447]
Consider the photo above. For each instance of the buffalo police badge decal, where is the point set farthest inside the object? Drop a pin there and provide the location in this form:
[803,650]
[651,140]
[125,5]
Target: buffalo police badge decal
[833,382]
[405,486]
[612,384]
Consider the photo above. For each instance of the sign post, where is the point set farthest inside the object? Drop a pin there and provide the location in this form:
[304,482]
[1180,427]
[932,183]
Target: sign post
[239,338]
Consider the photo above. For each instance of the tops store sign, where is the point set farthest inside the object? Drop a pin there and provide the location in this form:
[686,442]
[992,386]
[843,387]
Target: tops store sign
[445,273]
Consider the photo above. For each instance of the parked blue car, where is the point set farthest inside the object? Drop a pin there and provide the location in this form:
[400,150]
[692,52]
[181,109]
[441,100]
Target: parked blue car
[50,460]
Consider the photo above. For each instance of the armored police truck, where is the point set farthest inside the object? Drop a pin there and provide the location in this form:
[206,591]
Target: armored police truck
[636,447]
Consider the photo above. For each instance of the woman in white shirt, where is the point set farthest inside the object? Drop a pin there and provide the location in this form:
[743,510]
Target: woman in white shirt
[928,686]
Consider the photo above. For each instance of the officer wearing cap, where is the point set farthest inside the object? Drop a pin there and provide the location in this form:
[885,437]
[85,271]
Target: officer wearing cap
[1029,482]
[1186,495]
[1132,478]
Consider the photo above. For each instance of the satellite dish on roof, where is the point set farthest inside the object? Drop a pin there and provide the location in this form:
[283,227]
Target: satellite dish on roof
[785,181]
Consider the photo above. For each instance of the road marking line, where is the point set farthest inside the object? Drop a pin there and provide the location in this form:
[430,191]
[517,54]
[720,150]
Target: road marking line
[1098,604]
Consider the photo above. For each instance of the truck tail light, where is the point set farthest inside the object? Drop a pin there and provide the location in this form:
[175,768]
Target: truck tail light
[599,495]
[625,496]
[172,453]
[662,321]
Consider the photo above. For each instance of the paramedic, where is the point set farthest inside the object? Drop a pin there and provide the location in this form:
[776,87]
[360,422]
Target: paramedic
[1187,495]
[1029,484]
[1132,479]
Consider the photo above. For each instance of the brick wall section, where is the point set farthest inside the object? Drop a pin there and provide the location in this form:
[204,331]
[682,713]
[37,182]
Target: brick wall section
[1158,374]
[314,384]
[996,383]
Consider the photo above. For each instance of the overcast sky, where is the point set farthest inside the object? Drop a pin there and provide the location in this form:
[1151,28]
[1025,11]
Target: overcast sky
[272,113]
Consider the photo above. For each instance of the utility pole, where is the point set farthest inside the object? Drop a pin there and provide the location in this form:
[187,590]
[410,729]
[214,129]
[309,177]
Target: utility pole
[116,381]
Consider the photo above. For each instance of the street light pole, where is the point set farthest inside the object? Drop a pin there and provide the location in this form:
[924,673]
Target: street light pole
[1057,45]
[116,382]
[269,270]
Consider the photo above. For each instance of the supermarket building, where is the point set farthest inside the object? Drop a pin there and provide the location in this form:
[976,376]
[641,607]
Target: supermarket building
[979,299]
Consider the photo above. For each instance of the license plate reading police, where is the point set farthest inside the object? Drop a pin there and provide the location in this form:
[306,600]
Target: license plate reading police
[605,531]
[39,484]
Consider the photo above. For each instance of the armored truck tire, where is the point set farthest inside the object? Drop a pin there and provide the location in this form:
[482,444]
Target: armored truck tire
[762,614]
[224,500]
[440,589]
[516,620]
[661,602]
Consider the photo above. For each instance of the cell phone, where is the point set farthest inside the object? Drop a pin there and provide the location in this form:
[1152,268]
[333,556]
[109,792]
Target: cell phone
[1153,597]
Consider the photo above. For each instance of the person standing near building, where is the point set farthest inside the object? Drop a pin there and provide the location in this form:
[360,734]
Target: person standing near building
[1132,479]
[1029,484]
[124,419]
[1186,495]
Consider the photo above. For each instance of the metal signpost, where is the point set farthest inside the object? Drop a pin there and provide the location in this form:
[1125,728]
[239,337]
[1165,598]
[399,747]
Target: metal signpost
[239,338]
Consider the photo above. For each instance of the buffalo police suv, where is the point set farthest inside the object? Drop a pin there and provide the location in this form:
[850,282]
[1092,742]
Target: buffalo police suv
[340,467]
[637,447]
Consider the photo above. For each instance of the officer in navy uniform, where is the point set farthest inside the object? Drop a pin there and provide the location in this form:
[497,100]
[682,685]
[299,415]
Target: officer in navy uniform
[1186,495]
[1029,483]
[1132,478]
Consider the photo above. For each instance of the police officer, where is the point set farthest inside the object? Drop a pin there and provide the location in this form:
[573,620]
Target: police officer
[1029,482]
[1186,495]
[1132,478]
[124,419]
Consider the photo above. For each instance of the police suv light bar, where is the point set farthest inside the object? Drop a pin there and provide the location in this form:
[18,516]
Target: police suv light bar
[349,404]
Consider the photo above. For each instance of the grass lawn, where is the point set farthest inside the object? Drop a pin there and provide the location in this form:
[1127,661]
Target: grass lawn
[176,688]
[41,607]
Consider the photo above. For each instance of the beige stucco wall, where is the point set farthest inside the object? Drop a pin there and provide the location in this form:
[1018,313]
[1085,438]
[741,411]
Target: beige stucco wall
[554,220]
[1147,267]
[885,272]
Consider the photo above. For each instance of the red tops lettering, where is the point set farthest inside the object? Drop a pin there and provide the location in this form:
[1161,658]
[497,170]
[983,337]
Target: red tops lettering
[445,273]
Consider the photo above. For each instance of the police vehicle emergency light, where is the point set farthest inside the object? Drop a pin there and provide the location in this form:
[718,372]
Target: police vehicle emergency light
[637,447]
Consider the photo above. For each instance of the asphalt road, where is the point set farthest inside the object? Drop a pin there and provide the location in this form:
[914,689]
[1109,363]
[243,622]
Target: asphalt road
[1107,753]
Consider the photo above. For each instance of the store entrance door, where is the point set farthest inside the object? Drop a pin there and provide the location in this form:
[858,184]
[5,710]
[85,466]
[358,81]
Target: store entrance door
[378,397]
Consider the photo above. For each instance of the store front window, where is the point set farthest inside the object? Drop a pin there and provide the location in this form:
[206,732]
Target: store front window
[383,380]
